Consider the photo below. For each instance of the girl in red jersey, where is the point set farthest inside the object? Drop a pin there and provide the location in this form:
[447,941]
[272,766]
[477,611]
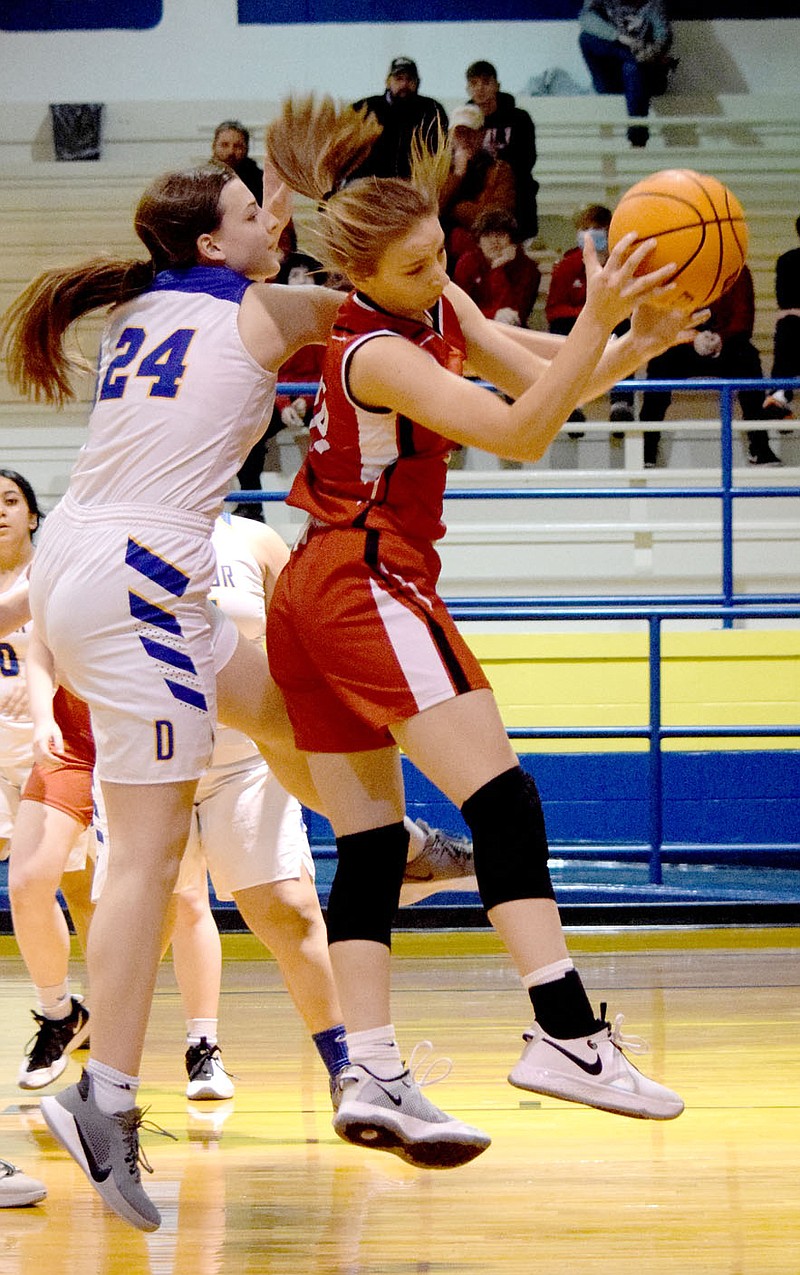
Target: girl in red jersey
[365,651]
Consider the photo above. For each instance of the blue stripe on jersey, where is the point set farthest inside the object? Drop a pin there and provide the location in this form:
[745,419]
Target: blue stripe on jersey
[157,569]
[167,655]
[217,281]
[185,693]
[149,613]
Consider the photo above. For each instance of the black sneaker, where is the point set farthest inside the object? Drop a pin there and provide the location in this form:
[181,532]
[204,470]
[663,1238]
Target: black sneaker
[47,1051]
[764,456]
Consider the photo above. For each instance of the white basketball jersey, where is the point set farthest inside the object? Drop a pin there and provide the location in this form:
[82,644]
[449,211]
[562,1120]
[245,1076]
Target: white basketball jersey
[179,400]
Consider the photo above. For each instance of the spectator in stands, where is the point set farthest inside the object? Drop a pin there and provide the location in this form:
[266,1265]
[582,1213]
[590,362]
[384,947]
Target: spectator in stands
[566,295]
[478,183]
[722,348]
[509,134]
[231,146]
[498,274]
[626,44]
[786,347]
[402,111]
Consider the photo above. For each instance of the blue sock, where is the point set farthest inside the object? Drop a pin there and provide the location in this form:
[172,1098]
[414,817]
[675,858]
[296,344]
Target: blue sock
[332,1046]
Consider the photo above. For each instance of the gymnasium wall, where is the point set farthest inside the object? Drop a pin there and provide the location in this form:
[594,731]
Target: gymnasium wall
[721,791]
[199,50]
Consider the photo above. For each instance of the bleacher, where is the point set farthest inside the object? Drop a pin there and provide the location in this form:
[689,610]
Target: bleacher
[54,212]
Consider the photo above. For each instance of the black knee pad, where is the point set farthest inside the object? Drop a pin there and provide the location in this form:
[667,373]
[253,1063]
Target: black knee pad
[509,839]
[365,893]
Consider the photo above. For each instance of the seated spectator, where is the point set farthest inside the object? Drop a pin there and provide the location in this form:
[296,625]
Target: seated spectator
[786,346]
[566,295]
[231,146]
[509,134]
[501,278]
[477,184]
[625,44]
[722,348]
[402,111]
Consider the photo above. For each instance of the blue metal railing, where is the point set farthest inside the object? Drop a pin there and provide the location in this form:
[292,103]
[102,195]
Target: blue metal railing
[653,610]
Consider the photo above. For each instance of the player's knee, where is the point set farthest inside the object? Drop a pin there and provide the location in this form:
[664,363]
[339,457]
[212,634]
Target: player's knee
[509,839]
[366,888]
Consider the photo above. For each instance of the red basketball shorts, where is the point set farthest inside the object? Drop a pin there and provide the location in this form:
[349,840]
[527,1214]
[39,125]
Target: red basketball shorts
[358,639]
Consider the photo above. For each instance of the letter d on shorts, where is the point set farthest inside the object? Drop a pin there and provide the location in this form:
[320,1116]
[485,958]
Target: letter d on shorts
[165,740]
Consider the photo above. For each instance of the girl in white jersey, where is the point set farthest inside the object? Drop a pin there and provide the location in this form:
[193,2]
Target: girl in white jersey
[186,382]
[364,576]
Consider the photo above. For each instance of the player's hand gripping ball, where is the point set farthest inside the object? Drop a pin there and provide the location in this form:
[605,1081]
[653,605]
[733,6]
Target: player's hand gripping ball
[698,223]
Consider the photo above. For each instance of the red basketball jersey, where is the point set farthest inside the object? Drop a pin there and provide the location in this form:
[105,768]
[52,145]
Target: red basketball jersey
[371,467]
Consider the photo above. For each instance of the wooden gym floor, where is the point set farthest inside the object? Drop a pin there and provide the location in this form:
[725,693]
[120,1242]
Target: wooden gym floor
[262,1185]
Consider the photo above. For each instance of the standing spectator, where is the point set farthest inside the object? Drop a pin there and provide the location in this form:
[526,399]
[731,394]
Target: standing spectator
[402,112]
[625,44]
[722,347]
[501,278]
[566,295]
[478,183]
[786,348]
[508,134]
[231,146]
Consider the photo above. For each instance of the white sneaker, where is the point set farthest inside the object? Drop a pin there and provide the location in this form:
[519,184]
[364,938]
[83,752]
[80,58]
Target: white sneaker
[208,1079]
[393,1115]
[593,1070]
[17,1190]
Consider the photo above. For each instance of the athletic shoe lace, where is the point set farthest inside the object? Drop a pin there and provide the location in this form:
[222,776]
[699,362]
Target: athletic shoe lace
[200,1060]
[444,844]
[427,1070]
[7,1169]
[633,1044]
[130,1123]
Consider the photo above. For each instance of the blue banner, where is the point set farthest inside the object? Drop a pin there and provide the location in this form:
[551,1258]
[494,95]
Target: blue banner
[387,11]
[80,15]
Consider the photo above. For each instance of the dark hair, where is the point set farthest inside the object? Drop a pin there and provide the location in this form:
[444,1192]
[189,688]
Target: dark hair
[593,215]
[797,225]
[28,493]
[496,220]
[235,126]
[481,70]
[173,212]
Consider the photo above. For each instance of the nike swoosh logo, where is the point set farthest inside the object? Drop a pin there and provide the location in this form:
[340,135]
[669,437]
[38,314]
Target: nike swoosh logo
[397,1101]
[98,1174]
[592,1069]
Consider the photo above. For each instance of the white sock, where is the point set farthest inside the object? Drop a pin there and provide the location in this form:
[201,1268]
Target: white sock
[54,1002]
[377,1050]
[113,1090]
[548,973]
[197,1028]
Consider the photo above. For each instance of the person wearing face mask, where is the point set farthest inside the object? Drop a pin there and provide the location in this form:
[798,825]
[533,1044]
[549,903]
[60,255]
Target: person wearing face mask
[566,295]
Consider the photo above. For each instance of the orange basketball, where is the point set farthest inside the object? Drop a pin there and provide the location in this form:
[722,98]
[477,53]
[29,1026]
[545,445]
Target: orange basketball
[698,223]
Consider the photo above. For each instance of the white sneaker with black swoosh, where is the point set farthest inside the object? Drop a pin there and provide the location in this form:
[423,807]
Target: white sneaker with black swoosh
[107,1149]
[393,1115]
[594,1070]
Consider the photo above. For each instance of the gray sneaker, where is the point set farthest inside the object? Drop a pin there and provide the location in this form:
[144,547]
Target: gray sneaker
[18,1190]
[444,863]
[107,1149]
[393,1115]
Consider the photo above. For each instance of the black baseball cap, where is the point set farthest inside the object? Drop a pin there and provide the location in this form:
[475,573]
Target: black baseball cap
[404,64]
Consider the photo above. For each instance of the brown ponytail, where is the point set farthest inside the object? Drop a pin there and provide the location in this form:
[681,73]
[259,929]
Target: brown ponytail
[171,214]
[315,145]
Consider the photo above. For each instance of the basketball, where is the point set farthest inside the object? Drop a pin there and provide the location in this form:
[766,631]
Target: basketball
[698,223]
